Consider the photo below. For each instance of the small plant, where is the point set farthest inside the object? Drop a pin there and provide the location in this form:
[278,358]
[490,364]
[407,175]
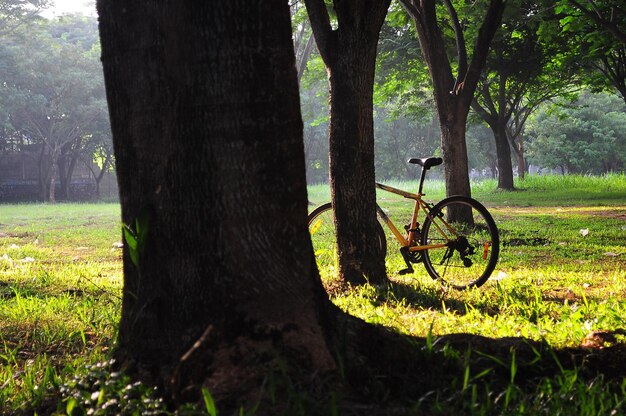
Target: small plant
[135,236]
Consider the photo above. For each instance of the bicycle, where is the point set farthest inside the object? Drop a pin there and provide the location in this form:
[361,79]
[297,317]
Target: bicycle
[458,241]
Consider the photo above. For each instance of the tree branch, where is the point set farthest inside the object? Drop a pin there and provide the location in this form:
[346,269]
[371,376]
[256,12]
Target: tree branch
[485,35]
[320,23]
[460,44]
[411,8]
[304,58]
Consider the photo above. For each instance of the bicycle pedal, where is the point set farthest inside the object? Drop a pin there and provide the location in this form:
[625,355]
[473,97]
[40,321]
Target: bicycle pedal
[405,271]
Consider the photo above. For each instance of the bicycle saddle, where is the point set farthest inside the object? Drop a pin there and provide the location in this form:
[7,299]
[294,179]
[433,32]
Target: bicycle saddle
[428,162]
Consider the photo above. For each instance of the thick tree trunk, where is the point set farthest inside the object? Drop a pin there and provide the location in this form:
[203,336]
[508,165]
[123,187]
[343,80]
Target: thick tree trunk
[209,154]
[456,174]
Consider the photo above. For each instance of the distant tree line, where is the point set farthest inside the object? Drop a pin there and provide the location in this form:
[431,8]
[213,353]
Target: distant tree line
[53,111]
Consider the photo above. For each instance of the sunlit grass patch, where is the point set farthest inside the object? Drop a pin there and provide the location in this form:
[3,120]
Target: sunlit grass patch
[60,295]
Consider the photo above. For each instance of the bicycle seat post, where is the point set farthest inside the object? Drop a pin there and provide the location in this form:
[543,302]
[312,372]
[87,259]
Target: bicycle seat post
[422,178]
[426,164]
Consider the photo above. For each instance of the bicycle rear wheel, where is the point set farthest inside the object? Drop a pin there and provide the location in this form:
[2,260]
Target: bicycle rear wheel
[472,242]
[322,229]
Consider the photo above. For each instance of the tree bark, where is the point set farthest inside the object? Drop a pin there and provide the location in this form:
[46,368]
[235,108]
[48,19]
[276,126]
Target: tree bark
[454,152]
[349,53]
[209,155]
[503,152]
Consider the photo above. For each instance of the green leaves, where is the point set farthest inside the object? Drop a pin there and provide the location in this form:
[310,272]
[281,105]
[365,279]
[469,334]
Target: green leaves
[136,235]
[209,403]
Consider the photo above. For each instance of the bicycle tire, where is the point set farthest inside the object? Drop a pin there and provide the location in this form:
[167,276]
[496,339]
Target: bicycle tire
[321,222]
[469,259]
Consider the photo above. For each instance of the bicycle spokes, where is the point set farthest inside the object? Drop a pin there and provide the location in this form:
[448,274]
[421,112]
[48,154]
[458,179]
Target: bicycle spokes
[466,230]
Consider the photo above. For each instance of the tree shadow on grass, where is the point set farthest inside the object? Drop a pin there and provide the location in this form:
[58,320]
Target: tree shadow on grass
[447,367]
[446,370]
[431,297]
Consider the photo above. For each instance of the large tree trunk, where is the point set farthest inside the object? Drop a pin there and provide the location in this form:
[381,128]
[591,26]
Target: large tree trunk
[209,154]
[349,54]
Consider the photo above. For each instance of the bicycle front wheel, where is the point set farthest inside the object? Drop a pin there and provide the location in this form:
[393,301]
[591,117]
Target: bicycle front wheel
[468,240]
[322,229]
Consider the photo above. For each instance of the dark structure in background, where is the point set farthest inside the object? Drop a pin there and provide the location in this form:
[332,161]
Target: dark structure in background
[19,179]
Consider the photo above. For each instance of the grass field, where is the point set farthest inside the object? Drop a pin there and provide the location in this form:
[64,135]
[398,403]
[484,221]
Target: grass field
[561,280]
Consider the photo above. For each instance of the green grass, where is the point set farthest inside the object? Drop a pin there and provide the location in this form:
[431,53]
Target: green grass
[60,288]
[570,190]
[61,279]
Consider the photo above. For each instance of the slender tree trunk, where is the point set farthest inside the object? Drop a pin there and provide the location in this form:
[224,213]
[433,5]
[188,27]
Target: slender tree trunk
[519,155]
[503,153]
[62,165]
[209,154]
[44,172]
[100,175]
[349,54]
[52,187]
[304,58]
[351,139]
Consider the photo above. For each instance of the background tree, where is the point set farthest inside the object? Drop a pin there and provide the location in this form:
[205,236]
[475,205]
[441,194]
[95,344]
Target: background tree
[303,39]
[405,120]
[453,95]
[608,15]
[349,53]
[587,137]
[523,70]
[52,96]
